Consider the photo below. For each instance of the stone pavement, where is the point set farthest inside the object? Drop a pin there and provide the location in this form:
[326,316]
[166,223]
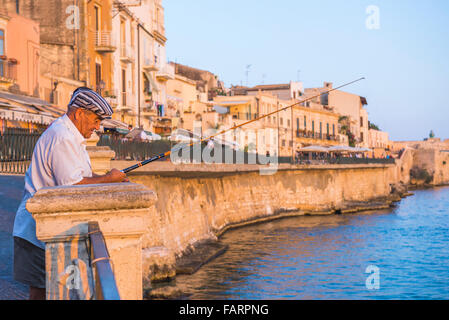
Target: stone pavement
[11,190]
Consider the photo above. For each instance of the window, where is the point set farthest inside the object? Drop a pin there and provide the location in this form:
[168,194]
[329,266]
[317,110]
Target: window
[2,42]
[333,129]
[122,32]
[98,76]
[97,18]
[361,121]
[361,136]
[282,121]
[321,128]
[17,7]
[288,123]
[327,129]
[313,126]
[123,87]
[297,123]
[283,142]
[305,123]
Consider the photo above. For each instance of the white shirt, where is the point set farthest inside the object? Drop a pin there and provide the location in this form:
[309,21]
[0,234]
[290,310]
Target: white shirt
[59,159]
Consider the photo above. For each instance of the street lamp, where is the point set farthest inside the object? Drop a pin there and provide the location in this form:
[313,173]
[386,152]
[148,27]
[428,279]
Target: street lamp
[101,86]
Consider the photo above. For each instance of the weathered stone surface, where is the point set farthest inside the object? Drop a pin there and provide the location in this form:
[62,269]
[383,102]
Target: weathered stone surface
[158,264]
[114,196]
[192,207]
[121,210]
[201,253]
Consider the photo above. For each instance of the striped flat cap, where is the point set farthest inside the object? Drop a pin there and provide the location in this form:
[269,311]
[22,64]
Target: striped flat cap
[88,99]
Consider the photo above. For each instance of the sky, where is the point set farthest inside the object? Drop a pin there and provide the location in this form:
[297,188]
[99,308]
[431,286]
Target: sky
[401,47]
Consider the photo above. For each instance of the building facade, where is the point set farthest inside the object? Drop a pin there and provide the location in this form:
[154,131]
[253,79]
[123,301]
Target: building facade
[19,54]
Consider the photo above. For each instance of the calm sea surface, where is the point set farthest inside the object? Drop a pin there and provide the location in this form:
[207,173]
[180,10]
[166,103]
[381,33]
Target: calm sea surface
[327,257]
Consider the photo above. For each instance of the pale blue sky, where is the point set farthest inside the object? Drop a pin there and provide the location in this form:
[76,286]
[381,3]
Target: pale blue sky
[405,62]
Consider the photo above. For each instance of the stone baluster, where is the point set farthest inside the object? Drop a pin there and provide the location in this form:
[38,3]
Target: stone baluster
[62,215]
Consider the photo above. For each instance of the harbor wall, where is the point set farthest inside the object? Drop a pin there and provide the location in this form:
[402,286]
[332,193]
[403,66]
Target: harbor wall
[199,202]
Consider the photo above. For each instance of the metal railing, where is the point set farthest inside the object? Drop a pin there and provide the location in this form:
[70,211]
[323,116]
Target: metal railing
[320,158]
[244,116]
[133,150]
[8,70]
[100,260]
[104,39]
[16,149]
[126,52]
[316,135]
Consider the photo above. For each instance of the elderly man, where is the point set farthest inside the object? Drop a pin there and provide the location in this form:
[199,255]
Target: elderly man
[59,159]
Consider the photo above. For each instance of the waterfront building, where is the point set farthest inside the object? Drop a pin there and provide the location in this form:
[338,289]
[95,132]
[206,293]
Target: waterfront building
[141,65]
[19,54]
[379,143]
[20,106]
[309,123]
[189,104]
[75,45]
[291,90]
[351,106]
[353,116]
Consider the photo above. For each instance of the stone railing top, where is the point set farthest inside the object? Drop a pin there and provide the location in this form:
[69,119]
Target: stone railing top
[100,152]
[94,197]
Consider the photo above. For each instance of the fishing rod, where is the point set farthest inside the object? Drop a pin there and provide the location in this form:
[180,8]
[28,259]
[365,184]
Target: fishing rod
[163,155]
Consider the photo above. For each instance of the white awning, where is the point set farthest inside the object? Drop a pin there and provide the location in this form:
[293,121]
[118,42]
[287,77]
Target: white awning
[153,84]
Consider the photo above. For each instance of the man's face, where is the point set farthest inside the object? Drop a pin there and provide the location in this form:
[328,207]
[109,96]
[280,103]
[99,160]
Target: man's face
[88,122]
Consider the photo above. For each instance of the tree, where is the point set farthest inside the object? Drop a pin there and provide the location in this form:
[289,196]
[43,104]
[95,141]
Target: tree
[373,126]
[431,134]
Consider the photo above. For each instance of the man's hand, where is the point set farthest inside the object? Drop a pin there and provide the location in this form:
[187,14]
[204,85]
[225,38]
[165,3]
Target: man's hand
[116,176]
[112,176]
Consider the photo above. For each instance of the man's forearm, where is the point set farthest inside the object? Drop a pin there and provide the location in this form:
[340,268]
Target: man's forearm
[112,176]
[94,180]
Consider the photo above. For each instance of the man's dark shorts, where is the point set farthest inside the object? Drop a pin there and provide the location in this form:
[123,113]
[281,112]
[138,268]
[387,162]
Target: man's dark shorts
[29,263]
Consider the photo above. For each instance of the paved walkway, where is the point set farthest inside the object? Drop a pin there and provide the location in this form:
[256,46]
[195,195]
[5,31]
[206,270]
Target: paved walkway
[11,190]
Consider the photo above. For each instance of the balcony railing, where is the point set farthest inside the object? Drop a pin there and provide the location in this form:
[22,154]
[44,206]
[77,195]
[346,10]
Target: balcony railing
[244,116]
[8,71]
[126,53]
[126,102]
[104,42]
[150,65]
[315,135]
[167,72]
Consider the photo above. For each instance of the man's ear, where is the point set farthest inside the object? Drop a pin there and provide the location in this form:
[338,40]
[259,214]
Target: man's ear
[78,113]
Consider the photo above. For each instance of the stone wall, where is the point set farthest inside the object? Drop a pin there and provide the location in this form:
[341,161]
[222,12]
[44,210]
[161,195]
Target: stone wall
[202,203]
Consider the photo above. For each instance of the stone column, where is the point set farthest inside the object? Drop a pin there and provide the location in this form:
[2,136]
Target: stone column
[100,156]
[62,214]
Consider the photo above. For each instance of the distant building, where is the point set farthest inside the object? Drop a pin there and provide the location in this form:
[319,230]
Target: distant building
[282,132]
[292,90]
[19,54]
[346,105]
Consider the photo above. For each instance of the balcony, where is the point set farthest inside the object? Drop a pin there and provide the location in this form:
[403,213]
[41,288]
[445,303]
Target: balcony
[150,65]
[126,102]
[316,135]
[104,42]
[111,96]
[127,54]
[244,116]
[8,71]
[167,72]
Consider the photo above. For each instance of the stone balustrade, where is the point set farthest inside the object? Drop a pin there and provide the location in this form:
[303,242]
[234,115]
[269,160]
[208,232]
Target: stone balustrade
[62,215]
